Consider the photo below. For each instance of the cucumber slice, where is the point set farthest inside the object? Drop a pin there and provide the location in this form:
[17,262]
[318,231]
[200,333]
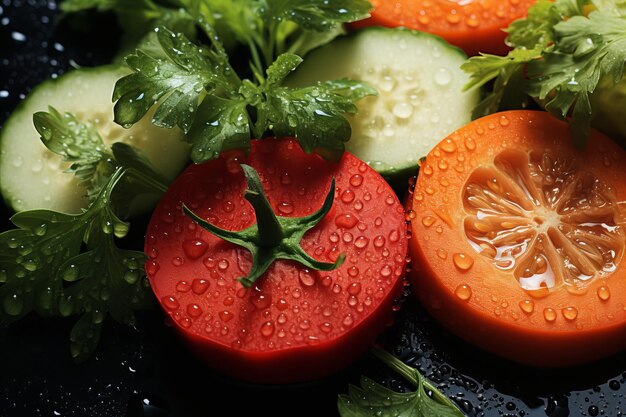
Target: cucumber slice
[32,177]
[420,87]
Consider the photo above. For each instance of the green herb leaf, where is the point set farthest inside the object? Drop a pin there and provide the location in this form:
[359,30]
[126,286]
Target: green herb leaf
[78,143]
[373,399]
[315,15]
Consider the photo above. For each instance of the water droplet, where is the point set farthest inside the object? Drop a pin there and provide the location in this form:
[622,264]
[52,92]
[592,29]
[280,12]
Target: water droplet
[131,276]
[463,292]
[356,180]
[285,178]
[348,320]
[285,208]
[570,313]
[183,286]
[549,314]
[194,248]
[402,110]
[462,261]
[170,303]
[226,316]
[361,242]
[442,254]
[71,273]
[346,221]
[394,236]
[604,293]
[347,196]
[453,17]
[267,329]
[326,327]
[443,76]
[260,299]
[428,220]
[448,145]
[379,241]
[282,305]
[194,310]
[527,306]
[354,288]
[199,286]
[223,264]
[470,144]
[178,261]
[386,271]
[307,279]
[504,121]
[13,304]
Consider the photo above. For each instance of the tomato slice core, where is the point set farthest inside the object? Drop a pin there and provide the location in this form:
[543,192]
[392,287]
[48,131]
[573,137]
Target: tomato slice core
[518,239]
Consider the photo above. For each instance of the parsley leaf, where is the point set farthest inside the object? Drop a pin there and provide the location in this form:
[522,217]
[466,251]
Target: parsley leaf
[562,52]
[374,399]
[196,89]
[59,264]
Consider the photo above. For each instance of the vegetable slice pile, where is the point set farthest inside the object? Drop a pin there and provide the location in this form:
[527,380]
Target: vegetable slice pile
[518,237]
[293,323]
[474,26]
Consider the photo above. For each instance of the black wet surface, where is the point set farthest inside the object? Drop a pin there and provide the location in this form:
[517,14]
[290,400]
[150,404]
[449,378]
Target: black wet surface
[145,371]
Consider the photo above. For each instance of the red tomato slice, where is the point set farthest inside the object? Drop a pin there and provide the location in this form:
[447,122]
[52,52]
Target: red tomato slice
[472,25]
[518,239]
[293,324]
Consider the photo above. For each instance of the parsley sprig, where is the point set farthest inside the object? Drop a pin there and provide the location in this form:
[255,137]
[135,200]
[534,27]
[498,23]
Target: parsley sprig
[563,51]
[196,88]
[373,399]
[59,264]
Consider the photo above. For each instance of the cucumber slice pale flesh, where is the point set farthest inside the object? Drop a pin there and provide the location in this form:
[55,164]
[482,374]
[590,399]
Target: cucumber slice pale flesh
[420,93]
[32,177]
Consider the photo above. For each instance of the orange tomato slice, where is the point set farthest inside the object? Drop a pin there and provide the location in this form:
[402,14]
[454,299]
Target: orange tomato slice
[518,239]
[473,25]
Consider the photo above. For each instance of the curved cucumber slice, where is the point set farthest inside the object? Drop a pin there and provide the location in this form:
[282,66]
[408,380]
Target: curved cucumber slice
[32,177]
[420,87]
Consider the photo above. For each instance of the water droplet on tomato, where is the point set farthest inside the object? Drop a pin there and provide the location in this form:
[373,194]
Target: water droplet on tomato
[194,310]
[448,145]
[177,261]
[442,164]
[260,299]
[228,301]
[183,286]
[354,288]
[306,278]
[394,236]
[527,306]
[462,261]
[346,221]
[347,196]
[356,180]
[428,220]
[152,267]
[194,248]
[326,327]
[428,170]
[549,314]
[285,178]
[223,264]
[386,271]
[470,144]
[442,254]
[504,121]
[348,320]
[285,208]
[170,303]
[361,242]
[267,329]
[327,280]
[199,286]
[226,316]
[570,313]
[463,292]
[604,293]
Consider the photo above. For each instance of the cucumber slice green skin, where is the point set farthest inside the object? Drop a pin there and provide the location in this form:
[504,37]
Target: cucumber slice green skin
[32,177]
[421,98]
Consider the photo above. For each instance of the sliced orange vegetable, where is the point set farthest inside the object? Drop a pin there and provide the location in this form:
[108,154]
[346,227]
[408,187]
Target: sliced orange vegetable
[473,25]
[518,239]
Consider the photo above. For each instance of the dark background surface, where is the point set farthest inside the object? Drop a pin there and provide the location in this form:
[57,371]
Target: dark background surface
[145,371]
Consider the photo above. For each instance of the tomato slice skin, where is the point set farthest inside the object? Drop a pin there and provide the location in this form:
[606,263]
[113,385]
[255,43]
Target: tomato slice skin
[474,26]
[293,324]
[570,323]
